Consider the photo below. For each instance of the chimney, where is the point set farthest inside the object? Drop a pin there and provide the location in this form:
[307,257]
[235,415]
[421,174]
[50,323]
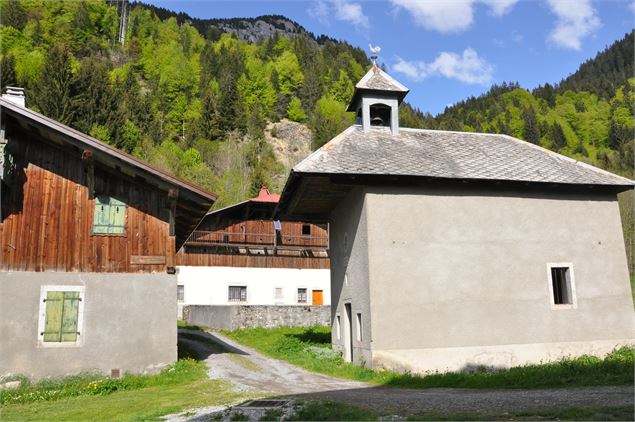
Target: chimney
[15,95]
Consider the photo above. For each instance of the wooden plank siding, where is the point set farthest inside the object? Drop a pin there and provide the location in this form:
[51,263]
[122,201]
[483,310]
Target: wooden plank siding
[48,213]
[257,234]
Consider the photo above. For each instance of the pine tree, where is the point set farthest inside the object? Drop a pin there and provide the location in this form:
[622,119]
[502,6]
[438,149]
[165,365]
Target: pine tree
[557,136]
[53,87]
[7,71]
[12,13]
[531,130]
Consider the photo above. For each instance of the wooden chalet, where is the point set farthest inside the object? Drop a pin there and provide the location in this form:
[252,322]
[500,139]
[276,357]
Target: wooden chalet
[85,222]
[246,235]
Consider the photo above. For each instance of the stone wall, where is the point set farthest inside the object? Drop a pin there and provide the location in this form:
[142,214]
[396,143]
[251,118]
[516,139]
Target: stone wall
[233,317]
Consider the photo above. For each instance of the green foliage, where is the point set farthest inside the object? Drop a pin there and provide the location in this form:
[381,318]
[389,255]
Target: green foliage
[329,118]
[182,371]
[330,411]
[295,111]
[53,87]
[309,348]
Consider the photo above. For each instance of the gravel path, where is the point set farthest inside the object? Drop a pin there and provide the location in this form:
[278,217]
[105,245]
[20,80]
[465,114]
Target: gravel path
[248,370]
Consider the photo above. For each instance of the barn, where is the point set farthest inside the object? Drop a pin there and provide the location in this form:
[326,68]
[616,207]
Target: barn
[88,241]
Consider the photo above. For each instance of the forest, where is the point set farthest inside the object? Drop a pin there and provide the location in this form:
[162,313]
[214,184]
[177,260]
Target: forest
[194,100]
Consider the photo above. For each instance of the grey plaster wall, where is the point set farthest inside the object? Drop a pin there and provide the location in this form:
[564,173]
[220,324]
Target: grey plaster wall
[234,317]
[129,323]
[468,269]
[350,274]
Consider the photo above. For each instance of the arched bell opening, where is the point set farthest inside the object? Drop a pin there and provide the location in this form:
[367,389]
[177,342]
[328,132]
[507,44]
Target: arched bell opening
[380,115]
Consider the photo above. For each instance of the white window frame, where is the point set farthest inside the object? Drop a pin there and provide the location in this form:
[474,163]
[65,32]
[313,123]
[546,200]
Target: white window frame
[574,296]
[42,317]
[177,293]
[297,296]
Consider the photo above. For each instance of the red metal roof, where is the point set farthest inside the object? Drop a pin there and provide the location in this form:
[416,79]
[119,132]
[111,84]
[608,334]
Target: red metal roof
[265,196]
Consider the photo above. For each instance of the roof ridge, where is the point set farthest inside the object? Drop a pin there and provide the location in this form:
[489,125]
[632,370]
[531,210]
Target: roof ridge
[105,148]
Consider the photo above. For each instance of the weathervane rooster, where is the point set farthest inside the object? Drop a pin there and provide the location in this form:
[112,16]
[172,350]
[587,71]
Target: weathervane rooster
[374,51]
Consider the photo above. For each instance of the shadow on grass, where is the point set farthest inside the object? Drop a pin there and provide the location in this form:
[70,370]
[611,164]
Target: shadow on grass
[199,345]
[312,336]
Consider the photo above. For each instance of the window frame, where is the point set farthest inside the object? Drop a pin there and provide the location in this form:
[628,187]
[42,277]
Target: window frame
[229,300]
[275,293]
[180,295]
[306,296]
[79,341]
[571,286]
[125,218]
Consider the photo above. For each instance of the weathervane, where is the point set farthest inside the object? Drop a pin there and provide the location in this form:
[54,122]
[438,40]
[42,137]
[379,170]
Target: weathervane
[374,51]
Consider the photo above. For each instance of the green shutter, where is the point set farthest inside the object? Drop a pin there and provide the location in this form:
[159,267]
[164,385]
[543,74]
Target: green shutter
[69,316]
[53,324]
[110,216]
[62,311]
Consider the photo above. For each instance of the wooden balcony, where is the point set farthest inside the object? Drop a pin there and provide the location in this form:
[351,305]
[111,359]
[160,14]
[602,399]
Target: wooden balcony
[267,243]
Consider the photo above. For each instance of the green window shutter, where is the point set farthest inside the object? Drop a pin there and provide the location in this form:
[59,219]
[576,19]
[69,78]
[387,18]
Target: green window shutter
[69,316]
[62,312]
[110,216]
[53,323]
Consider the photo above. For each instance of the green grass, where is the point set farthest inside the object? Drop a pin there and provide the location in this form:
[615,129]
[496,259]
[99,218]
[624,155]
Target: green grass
[182,324]
[330,411]
[133,397]
[143,404]
[309,348]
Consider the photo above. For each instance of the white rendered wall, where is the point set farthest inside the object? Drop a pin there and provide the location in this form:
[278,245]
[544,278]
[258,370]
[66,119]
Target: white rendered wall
[210,285]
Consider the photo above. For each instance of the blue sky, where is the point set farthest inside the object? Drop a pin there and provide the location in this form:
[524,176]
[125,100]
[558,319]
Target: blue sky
[448,50]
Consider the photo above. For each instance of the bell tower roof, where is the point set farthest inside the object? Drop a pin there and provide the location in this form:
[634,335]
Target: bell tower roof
[374,82]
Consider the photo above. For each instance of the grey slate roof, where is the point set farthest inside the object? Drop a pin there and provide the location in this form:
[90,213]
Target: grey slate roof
[453,155]
[377,79]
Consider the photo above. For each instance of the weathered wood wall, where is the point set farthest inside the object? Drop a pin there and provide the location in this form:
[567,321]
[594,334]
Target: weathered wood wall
[48,215]
[290,254]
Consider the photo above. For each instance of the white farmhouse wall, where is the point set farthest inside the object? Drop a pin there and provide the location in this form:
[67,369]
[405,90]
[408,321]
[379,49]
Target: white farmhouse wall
[460,278]
[209,285]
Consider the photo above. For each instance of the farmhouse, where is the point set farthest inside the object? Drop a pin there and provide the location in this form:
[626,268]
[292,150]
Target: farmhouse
[88,240]
[452,250]
[239,255]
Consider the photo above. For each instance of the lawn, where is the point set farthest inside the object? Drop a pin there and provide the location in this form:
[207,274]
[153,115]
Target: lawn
[133,397]
[309,348]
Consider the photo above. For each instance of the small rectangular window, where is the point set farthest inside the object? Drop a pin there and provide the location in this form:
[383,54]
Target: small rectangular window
[278,294]
[359,327]
[302,296]
[306,229]
[180,293]
[237,293]
[561,286]
[109,216]
[337,327]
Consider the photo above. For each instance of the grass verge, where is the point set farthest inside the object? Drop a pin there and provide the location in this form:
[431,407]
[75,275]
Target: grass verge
[132,397]
[310,348]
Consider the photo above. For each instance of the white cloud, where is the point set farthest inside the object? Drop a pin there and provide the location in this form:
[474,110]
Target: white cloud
[342,10]
[468,68]
[449,16]
[632,6]
[500,7]
[576,20]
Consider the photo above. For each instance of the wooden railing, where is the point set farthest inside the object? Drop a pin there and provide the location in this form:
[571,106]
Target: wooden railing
[254,240]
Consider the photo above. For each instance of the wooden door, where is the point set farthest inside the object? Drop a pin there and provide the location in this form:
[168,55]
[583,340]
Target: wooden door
[318,298]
